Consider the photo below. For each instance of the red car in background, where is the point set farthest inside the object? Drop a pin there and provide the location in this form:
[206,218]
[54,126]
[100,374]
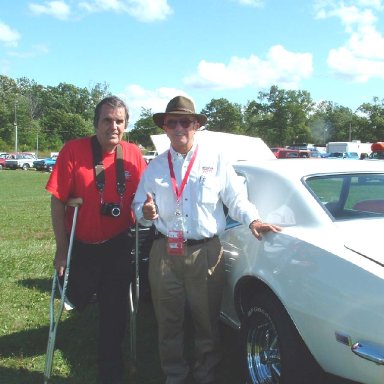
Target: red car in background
[285,153]
[3,157]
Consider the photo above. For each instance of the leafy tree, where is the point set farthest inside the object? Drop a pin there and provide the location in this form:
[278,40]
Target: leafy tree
[335,122]
[143,129]
[48,116]
[371,126]
[224,116]
[65,126]
[284,116]
[254,115]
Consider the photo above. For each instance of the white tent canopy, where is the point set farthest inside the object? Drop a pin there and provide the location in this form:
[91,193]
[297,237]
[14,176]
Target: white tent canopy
[237,147]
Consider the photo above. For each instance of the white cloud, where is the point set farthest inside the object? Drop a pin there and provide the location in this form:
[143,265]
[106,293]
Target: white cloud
[281,67]
[251,3]
[361,57]
[359,69]
[8,36]
[137,98]
[142,10]
[149,10]
[376,4]
[103,5]
[57,9]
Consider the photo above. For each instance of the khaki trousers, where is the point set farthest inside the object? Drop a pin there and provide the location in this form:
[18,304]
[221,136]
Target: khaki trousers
[180,281]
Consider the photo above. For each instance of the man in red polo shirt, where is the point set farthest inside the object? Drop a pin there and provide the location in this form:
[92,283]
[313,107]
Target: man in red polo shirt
[104,171]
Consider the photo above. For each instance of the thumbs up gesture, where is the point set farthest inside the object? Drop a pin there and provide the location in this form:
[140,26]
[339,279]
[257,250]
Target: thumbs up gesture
[149,208]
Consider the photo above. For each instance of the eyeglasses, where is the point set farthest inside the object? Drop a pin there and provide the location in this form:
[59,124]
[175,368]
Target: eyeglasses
[172,123]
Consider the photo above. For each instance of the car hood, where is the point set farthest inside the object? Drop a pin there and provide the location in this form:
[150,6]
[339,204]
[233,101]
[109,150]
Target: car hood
[364,237]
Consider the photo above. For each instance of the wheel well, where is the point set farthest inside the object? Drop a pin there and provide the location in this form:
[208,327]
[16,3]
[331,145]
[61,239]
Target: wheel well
[247,288]
[250,287]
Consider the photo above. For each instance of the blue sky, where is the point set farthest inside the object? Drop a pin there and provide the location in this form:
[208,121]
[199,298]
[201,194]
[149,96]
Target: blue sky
[149,51]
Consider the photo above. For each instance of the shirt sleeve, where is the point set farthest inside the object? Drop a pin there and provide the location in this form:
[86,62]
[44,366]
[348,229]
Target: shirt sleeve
[61,179]
[234,196]
[141,196]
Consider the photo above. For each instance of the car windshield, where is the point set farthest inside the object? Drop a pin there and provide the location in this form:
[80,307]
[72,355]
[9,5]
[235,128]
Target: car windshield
[350,196]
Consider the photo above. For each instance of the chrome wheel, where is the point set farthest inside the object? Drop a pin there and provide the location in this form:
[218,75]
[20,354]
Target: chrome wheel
[273,350]
[262,350]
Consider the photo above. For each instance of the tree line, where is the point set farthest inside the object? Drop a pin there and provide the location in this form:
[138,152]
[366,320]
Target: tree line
[45,117]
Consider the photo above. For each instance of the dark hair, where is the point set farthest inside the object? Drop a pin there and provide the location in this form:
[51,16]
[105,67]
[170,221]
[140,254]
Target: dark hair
[114,102]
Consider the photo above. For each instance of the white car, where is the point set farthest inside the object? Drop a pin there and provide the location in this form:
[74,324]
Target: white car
[150,155]
[309,299]
[23,161]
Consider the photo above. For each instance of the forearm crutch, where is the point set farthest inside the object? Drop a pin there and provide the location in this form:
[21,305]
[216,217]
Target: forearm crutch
[134,295]
[75,202]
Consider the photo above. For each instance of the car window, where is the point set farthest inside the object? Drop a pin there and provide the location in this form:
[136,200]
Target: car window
[350,196]
[292,154]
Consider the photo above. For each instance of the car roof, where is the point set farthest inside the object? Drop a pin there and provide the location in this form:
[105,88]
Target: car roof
[306,167]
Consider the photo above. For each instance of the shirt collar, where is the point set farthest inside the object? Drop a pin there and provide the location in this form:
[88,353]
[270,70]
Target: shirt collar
[176,156]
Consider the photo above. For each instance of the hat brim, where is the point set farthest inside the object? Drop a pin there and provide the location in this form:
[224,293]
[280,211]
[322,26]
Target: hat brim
[158,118]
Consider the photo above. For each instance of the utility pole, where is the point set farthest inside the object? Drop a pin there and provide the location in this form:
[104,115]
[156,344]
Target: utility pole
[350,133]
[15,124]
[37,144]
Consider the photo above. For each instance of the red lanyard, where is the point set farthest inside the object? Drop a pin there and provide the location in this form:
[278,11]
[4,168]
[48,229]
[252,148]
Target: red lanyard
[178,192]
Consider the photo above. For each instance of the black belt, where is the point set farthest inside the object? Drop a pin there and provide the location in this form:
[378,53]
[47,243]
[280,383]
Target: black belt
[159,235]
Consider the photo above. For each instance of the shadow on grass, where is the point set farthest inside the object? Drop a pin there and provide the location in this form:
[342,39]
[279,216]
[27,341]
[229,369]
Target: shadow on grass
[76,348]
[43,285]
[75,343]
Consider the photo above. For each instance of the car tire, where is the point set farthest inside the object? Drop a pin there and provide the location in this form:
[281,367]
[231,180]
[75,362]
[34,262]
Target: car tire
[50,168]
[273,351]
[25,167]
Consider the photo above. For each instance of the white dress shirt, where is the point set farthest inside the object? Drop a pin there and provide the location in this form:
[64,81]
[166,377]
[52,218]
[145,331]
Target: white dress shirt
[211,183]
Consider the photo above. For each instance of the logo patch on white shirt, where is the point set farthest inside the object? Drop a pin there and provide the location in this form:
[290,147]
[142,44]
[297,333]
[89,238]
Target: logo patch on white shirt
[207,170]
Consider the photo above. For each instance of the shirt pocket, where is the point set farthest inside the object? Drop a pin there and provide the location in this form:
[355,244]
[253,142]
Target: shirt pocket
[164,195]
[210,189]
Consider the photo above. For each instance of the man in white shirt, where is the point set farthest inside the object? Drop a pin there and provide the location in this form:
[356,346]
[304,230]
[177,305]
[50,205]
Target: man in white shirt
[183,192]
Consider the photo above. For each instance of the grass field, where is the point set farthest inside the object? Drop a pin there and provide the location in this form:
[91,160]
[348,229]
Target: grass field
[26,253]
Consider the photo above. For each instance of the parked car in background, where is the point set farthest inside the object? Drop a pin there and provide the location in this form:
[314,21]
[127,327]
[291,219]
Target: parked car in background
[3,158]
[44,164]
[21,160]
[285,153]
[308,300]
[344,155]
[315,154]
[150,155]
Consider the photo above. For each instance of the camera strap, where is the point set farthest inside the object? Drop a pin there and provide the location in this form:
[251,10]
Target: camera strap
[99,168]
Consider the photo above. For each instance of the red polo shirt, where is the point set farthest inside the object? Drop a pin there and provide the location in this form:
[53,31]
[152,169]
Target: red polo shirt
[73,176]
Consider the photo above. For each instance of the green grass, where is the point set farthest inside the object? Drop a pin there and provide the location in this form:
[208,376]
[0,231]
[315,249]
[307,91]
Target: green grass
[26,270]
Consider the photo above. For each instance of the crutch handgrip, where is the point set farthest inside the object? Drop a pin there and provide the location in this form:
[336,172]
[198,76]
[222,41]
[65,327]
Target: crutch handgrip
[74,202]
